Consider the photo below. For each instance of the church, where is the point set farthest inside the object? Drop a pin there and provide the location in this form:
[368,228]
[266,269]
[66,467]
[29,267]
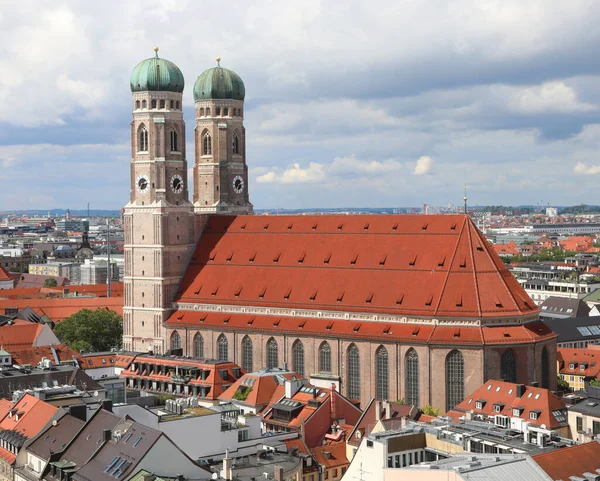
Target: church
[398,307]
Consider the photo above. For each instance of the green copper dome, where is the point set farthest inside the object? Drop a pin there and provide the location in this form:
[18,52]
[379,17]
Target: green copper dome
[158,75]
[219,83]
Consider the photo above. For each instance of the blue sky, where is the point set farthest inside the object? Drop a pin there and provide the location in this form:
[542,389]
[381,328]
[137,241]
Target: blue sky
[380,103]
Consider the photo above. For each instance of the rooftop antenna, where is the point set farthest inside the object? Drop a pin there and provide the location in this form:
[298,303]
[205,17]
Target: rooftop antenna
[108,270]
[465,198]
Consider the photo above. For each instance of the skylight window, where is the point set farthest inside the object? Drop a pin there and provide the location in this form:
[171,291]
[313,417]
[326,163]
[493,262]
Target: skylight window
[594,330]
[110,466]
[137,441]
[584,331]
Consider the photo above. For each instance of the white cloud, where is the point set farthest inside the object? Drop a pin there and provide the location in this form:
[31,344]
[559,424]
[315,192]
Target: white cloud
[554,96]
[423,166]
[295,174]
[584,169]
[266,178]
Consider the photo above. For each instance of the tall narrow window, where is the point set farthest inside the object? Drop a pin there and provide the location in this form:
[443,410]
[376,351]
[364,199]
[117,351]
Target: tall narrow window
[222,348]
[208,111]
[198,346]
[412,377]
[177,105]
[225,111]
[545,371]
[353,374]
[298,357]
[325,358]
[137,105]
[144,104]
[162,104]
[272,354]
[175,340]
[508,366]
[207,145]
[381,373]
[202,112]
[143,139]
[153,104]
[455,379]
[174,141]
[236,144]
[172,104]
[247,357]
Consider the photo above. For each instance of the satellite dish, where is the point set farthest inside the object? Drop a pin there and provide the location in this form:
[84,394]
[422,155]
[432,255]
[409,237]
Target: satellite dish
[543,426]
[95,393]
[55,423]
[215,476]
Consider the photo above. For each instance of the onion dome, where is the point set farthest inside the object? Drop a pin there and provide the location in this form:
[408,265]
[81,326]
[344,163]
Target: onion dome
[219,83]
[158,75]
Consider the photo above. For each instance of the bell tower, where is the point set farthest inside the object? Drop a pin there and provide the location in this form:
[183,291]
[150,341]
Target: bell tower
[220,170]
[159,219]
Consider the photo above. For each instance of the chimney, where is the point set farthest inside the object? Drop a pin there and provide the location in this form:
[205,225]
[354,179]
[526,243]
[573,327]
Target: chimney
[377,411]
[227,472]
[278,473]
[78,411]
[292,386]
[535,384]
[106,435]
[388,409]
[107,405]
[520,390]
[333,402]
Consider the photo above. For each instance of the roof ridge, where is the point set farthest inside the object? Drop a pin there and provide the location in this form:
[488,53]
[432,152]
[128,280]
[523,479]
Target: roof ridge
[469,224]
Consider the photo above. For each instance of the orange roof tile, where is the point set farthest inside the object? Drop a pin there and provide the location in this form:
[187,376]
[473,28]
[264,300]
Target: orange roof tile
[331,456]
[438,265]
[392,332]
[263,387]
[34,354]
[34,415]
[505,394]
[98,360]
[57,309]
[571,461]
[4,275]
[587,358]
[20,334]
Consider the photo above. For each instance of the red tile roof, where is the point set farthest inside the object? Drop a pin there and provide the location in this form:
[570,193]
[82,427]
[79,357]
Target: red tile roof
[35,280]
[20,334]
[588,358]
[57,309]
[35,414]
[95,361]
[331,456]
[432,266]
[505,394]
[571,461]
[359,330]
[263,388]
[4,276]
[34,354]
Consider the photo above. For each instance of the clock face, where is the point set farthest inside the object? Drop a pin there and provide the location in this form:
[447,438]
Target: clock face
[177,184]
[238,184]
[142,183]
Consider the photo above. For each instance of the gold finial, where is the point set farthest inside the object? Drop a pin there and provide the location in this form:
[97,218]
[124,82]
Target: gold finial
[156,51]
[218,61]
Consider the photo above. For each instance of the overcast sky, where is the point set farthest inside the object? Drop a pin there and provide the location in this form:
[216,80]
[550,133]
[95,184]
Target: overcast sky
[348,103]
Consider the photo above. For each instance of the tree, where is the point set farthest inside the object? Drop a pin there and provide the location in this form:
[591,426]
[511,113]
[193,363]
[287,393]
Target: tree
[563,385]
[595,382]
[429,411]
[50,282]
[91,331]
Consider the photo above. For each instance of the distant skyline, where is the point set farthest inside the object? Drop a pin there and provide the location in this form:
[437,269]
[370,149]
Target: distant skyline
[378,104]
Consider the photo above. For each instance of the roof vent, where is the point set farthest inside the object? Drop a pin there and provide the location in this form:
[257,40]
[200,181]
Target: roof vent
[290,226]
[399,300]
[243,227]
[458,300]
[262,293]
[252,257]
[353,261]
[266,226]
[442,261]
[463,262]
[327,259]
[453,227]
[369,298]
[301,259]
[413,261]
[340,227]
[212,256]
[366,227]
[276,258]
[340,297]
[429,300]
[313,296]
[314,227]
[416,331]
[382,260]
[356,328]
[229,257]
[424,226]
[238,292]
[395,226]
[214,293]
[287,294]
[251,321]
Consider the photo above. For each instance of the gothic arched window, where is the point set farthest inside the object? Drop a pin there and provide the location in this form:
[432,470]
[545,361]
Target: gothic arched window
[298,357]
[198,346]
[353,374]
[272,354]
[545,371]
[247,361]
[153,104]
[236,144]
[172,104]
[143,139]
[222,348]
[137,105]
[381,373]
[174,141]
[207,145]
[162,104]
[325,358]
[202,112]
[455,379]
[177,105]
[144,104]
[208,111]
[175,340]
[412,377]
[508,366]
